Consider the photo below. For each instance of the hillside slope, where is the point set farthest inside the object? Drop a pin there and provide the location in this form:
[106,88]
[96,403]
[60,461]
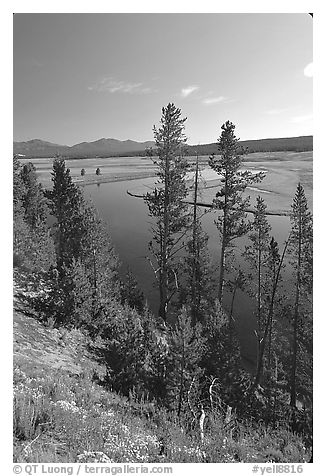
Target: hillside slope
[62,415]
[40,350]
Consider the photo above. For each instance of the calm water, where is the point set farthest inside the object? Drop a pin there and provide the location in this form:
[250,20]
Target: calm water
[129,227]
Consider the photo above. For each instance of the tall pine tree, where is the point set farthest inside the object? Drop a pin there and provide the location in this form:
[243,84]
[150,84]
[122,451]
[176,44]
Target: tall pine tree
[300,250]
[33,247]
[33,200]
[229,199]
[257,253]
[166,205]
[65,201]
[18,187]
[275,264]
[86,262]
[197,287]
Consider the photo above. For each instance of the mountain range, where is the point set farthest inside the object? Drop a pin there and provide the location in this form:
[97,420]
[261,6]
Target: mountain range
[101,147]
[113,147]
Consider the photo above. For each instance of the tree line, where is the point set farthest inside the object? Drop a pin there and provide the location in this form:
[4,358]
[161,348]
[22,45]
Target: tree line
[190,351]
[172,220]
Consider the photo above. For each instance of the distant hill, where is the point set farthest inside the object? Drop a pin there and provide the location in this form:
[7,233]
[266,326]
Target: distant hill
[113,147]
[296,144]
[109,147]
[99,148]
[39,148]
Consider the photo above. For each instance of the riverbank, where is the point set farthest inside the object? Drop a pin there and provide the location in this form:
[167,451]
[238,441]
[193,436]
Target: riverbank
[108,178]
[105,178]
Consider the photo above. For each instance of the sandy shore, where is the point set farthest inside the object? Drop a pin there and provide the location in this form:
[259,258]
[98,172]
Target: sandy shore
[110,178]
[104,178]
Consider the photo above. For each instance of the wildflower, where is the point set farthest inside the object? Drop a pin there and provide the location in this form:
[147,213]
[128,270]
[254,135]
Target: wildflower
[68,406]
[93,457]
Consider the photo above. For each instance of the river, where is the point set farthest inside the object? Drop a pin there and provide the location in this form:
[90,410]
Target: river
[129,227]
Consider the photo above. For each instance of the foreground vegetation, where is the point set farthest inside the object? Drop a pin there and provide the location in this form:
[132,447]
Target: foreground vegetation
[176,379]
[63,415]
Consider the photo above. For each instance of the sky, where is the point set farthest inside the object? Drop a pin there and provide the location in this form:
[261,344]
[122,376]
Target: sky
[82,77]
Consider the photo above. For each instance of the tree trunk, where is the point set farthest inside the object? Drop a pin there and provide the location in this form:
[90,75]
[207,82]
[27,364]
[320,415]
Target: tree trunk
[269,320]
[221,280]
[223,247]
[296,321]
[231,318]
[259,293]
[181,379]
[195,273]
[163,272]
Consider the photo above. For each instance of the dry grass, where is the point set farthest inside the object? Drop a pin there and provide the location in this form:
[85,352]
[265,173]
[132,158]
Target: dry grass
[39,349]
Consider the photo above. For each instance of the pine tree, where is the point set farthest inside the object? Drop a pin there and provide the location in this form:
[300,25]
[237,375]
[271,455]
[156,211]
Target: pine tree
[166,205]
[99,257]
[155,341]
[66,202]
[186,347]
[87,265]
[33,199]
[237,284]
[197,288]
[33,247]
[90,282]
[130,292]
[300,251]
[20,228]
[275,264]
[18,187]
[270,371]
[272,263]
[222,358]
[124,343]
[257,254]
[72,297]
[232,224]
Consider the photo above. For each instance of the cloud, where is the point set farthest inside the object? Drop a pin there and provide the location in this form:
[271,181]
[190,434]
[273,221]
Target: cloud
[308,71]
[276,111]
[303,118]
[111,85]
[185,92]
[215,100]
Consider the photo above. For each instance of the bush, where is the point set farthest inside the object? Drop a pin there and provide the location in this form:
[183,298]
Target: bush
[33,248]
[85,421]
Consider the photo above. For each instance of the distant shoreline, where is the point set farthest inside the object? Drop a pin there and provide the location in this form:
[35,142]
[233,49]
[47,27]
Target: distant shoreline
[109,179]
[98,179]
